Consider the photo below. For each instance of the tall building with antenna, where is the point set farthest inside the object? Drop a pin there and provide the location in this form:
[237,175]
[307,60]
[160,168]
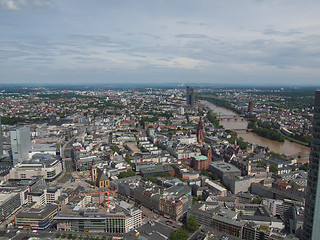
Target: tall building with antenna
[311,229]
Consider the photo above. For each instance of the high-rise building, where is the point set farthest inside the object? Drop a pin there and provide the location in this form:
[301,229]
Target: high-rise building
[311,229]
[1,141]
[20,144]
[190,96]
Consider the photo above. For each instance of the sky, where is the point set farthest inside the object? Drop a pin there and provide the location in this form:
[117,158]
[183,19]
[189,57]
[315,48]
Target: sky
[247,42]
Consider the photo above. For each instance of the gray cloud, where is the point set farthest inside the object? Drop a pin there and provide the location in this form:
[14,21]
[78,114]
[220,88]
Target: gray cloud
[271,31]
[191,36]
[25,4]
[7,54]
[97,40]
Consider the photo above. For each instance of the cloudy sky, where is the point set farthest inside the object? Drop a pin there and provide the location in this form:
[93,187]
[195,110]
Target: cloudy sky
[261,42]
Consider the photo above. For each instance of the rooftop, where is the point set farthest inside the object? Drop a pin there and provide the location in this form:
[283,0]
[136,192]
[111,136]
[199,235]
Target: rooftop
[5,197]
[200,158]
[224,167]
[37,213]
[156,168]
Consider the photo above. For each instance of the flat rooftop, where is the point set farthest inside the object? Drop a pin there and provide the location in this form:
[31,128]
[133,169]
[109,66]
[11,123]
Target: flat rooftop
[224,167]
[6,196]
[37,213]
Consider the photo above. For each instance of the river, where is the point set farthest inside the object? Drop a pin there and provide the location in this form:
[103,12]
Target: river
[288,148]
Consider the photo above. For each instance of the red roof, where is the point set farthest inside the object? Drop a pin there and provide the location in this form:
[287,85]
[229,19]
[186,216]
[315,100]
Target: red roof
[283,184]
[148,193]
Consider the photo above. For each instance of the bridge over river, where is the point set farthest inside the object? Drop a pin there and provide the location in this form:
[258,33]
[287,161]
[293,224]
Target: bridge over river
[230,120]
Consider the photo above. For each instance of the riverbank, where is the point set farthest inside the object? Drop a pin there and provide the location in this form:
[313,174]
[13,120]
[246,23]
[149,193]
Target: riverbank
[223,107]
[295,141]
[287,147]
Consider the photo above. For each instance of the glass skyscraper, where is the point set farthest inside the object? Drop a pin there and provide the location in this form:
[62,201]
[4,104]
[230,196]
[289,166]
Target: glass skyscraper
[20,144]
[311,225]
[190,96]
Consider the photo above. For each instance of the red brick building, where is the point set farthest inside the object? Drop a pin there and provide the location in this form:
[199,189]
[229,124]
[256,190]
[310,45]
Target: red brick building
[200,162]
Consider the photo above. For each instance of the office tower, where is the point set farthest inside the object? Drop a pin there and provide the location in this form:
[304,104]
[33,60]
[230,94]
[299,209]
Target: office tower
[20,144]
[1,140]
[190,96]
[311,225]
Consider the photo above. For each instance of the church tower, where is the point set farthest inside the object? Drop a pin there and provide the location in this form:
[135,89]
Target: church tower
[94,174]
[200,132]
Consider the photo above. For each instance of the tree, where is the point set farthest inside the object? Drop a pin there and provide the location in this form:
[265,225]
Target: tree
[204,172]
[127,158]
[180,234]
[152,179]
[304,168]
[115,149]
[192,224]
[261,163]
[256,201]
[214,176]
[200,198]
[58,235]
[274,169]
[126,174]
[213,119]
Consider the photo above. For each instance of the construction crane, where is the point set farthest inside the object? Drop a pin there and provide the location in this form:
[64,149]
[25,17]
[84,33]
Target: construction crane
[108,195]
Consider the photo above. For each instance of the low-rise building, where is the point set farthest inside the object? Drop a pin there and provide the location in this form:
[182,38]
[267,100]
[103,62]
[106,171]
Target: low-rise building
[49,168]
[226,221]
[223,169]
[36,217]
[157,169]
[217,189]
[188,174]
[42,196]
[85,216]
[10,202]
